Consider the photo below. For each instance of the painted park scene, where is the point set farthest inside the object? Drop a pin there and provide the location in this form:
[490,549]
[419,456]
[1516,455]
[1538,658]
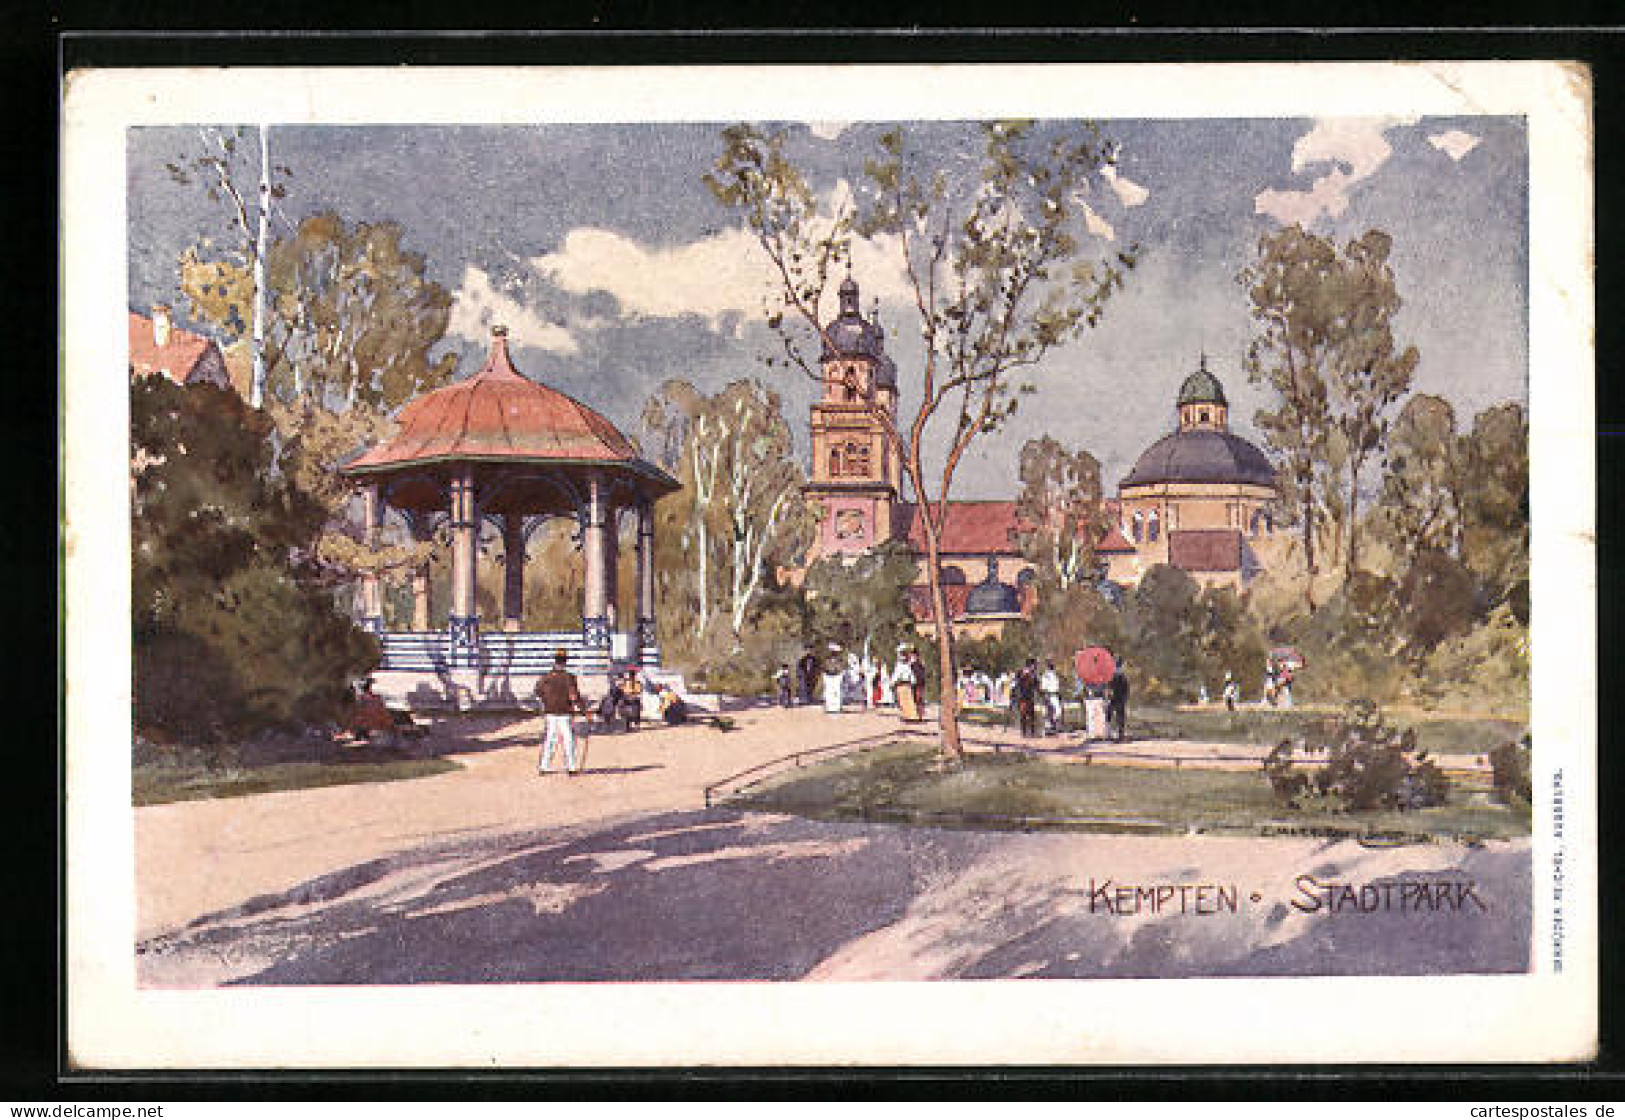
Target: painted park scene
[829,550]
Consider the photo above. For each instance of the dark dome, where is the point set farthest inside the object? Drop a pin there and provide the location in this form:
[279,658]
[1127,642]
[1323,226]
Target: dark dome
[1202,387]
[993,597]
[1201,456]
[850,335]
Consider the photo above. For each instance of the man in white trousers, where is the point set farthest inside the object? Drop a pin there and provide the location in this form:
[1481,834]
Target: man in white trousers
[561,700]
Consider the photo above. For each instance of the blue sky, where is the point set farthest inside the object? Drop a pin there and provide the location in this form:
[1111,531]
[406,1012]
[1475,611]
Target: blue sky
[601,250]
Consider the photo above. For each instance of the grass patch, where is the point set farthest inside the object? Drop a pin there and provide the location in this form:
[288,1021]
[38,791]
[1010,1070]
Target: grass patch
[159,784]
[1268,726]
[903,783]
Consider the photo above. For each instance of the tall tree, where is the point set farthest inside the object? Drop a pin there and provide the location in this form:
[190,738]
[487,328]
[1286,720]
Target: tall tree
[1419,505]
[1060,510]
[1369,374]
[1324,345]
[995,263]
[352,323]
[222,168]
[1495,499]
[747,514]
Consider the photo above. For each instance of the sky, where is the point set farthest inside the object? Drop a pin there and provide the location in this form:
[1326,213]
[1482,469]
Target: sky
[601,250]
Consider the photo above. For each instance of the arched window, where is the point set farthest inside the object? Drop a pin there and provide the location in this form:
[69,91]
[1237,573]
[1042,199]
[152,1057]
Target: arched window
[1151,527]
[1256,522]
[1139,527]
[1203,414]
[857,459]
[953,576]
[835,462]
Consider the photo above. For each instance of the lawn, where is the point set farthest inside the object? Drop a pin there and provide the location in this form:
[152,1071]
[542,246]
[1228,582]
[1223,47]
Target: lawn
[902,783]
[157,783]
[1267,726]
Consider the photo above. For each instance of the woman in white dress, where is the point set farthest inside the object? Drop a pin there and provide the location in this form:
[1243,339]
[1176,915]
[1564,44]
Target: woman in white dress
[1094,712]
[834,680]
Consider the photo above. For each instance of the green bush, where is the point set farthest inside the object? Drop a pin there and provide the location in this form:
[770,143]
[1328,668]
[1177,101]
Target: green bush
[1370,764]
[234,629]
[1509,765]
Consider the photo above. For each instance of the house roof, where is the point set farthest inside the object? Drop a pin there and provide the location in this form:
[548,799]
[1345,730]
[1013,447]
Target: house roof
[499,415]
[1205,550]
[177,359]
[919,601]
[1114,541]
[970,527]
[992,528]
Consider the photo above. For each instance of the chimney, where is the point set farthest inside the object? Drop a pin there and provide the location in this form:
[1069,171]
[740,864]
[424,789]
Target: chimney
[160,325]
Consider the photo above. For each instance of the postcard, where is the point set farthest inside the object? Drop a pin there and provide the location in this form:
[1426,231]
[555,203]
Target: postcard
[829,565]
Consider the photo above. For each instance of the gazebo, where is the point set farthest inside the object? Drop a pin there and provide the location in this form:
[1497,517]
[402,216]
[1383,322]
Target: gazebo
[502,449]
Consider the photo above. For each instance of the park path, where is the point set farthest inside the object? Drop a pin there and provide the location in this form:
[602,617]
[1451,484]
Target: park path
[232,849]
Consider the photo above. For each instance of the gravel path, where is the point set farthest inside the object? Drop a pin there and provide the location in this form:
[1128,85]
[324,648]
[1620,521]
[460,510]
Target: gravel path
[728,895]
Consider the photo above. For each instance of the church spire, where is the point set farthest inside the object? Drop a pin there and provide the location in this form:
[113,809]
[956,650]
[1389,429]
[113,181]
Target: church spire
[849,296]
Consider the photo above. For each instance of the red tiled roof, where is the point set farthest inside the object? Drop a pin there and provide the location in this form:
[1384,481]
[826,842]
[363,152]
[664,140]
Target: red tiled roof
[498,414]
[981,528]
[177,359]
[970,527]
[1114,541]
[1205,550]
[919,601]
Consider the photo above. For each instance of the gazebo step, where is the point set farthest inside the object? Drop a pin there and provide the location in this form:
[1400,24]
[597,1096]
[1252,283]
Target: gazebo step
[502,652]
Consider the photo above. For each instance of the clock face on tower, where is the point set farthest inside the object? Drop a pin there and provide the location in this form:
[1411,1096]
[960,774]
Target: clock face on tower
[849,524]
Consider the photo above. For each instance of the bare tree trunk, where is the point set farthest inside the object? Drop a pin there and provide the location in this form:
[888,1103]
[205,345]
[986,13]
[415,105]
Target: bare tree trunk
[1354,520]
[256,396]
[1308,500]
[948,696]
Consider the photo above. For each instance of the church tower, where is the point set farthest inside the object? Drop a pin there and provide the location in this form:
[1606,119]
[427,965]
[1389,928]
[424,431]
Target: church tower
[856,474]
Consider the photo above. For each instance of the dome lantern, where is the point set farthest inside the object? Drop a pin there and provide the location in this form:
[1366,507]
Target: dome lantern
[1202,404]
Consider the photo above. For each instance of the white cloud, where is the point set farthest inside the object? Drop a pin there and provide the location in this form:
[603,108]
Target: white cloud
[710,277]
[1454,143]
[828,130]
[1129,193]
[477,305]
[722,278]
[1354,146]
[1097,225]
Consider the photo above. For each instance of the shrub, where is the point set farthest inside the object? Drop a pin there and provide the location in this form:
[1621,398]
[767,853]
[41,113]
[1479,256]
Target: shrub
[1509,765]
[1370,764]
[234,629]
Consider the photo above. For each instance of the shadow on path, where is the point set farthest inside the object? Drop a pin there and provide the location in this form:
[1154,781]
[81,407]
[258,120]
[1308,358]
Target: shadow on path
[728,895]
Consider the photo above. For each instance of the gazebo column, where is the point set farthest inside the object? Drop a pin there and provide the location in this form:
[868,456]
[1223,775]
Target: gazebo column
[513,572]
[372,597]
[420,579]
[648,651]
[463,622]
[595,592]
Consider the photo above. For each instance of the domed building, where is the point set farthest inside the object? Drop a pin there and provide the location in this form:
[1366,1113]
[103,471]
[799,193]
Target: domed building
[1200,498]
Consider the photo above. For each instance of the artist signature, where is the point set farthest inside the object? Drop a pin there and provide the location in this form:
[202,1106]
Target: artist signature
[1308,895]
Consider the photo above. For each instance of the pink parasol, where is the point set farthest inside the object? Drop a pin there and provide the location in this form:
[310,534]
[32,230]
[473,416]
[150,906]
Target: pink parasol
[1287,655]
[1094,665]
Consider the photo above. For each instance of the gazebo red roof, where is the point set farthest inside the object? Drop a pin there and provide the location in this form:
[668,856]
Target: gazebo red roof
[499,415]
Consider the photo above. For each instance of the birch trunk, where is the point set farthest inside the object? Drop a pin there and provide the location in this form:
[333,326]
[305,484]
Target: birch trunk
[256,396]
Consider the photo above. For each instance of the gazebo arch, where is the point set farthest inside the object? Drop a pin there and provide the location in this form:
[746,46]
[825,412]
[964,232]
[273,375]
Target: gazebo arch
[499,448]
